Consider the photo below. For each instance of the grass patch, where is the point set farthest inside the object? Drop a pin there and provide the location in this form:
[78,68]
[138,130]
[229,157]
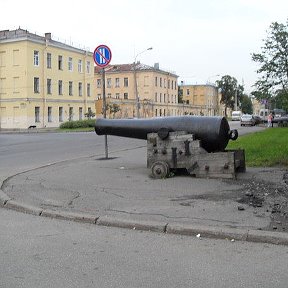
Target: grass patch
[84,129]
[265,149]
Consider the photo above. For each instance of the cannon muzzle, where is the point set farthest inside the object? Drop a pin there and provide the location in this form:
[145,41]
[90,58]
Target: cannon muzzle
[214,132]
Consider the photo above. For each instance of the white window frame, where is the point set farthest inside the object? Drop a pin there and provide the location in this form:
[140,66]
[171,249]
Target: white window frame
[36,58]
[80,66]
[70,64]
[80,89]
[88,65]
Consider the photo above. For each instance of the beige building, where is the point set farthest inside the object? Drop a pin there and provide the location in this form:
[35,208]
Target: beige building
[157,91]
[201,99]
[43,82]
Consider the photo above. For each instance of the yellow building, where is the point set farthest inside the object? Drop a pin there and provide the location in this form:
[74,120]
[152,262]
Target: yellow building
[157,91]
[202,99]
[43,82]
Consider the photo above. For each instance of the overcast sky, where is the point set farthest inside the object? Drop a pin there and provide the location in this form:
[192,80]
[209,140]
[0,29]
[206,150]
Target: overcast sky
[196,39]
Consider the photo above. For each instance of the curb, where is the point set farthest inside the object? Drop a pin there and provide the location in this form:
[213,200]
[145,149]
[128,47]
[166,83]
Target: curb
[232,234]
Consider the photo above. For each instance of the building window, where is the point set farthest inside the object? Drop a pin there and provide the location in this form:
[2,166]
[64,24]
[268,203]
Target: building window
[36,58]
[156,97]
[99,96]
[88,90]
[160,86]
[70,64]
[80,69]
[88,67]
[80,113]
[98,83]
[156,81]
[168,83]
[117,95]
[146,81]
[37,114]
[15,57]
[160,100]
[188,92]
[80,92]
[109,95]
[60,87]
[109,82]
[60,114]
[117,82]
[49,86]
[49,60]
[70,113]
[60,62]
[171,84]
[36,85]
[70,88]
[164,83]
[15,84]
[49,114]
[2,58]
[125,82]
[125,96]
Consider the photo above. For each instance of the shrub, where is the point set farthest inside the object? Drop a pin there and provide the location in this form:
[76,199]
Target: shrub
[78,124]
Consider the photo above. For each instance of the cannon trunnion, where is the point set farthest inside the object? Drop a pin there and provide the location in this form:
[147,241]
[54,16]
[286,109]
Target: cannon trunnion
[191,142]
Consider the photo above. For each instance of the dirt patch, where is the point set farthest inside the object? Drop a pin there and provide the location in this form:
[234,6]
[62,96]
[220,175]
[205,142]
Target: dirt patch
[271,197]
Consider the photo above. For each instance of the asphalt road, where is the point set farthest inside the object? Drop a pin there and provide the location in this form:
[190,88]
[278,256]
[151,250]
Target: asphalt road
[42,252]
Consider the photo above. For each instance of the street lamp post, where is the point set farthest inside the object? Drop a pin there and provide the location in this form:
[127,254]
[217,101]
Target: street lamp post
[135,82]
[209,96]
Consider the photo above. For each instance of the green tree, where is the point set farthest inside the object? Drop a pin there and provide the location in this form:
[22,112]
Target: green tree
[273,62]
[281,100]
[90,114]
[246,105]
[229,90]
[113,108]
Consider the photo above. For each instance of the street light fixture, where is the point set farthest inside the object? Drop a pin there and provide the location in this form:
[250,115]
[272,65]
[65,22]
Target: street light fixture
[135,82]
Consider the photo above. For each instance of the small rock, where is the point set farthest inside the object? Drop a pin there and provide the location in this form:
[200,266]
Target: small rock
[241,208]
[198,235]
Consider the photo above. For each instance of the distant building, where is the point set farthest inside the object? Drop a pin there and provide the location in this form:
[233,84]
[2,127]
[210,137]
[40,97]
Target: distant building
[157,91]
[201,99]
[43,82]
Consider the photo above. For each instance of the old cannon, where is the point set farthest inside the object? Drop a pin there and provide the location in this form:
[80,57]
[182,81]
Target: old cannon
[191,142]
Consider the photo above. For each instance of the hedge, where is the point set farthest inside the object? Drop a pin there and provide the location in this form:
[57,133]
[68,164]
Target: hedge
[78,124]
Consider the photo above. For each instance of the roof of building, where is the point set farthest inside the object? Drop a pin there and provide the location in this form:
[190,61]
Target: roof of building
[21,34]
[118,68]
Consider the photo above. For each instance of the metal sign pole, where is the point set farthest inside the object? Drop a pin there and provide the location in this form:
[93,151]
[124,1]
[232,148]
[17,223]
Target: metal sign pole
[102,56]
[104,109]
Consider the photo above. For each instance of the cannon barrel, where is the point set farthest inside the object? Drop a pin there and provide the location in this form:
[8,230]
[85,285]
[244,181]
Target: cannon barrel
[214,132]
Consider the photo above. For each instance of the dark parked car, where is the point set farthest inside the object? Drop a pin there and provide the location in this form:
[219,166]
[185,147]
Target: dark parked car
[247,119]
[258,119]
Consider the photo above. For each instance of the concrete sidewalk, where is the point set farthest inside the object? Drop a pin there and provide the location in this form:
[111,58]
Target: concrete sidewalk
[119,192]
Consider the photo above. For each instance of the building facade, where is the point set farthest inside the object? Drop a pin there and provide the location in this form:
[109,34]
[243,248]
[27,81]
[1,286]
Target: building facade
[43,82]
[157,91]
[201,99]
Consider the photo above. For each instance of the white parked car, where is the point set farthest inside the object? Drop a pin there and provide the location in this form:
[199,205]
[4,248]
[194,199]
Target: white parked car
[247,119]
[236,115]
